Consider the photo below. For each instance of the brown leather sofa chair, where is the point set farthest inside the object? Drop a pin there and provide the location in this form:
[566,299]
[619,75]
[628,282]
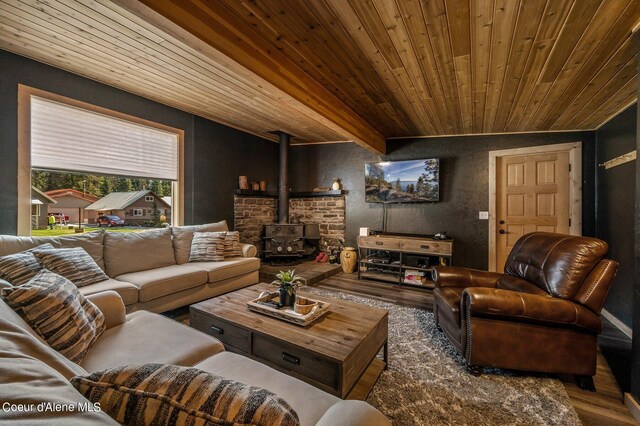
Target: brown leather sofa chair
[542,314]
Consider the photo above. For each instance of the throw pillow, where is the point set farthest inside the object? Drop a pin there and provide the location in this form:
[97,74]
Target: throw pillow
[207,247]
[232,246]
[19,268]
[169,394]
[182,236]
[56,310]
[74,264]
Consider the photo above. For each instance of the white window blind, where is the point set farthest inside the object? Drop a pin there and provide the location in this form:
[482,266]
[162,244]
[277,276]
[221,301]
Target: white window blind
[67,138]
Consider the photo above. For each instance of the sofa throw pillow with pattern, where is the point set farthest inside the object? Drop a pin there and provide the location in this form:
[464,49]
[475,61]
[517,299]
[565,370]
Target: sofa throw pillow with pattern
[56,310]
[207,247]
[18,268]
[169,394]
[74,264]
[232,246]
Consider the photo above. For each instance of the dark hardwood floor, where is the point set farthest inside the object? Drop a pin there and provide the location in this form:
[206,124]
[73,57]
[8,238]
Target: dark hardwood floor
[604,407]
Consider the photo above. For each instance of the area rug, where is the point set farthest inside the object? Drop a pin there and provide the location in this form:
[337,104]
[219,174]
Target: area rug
[427,382]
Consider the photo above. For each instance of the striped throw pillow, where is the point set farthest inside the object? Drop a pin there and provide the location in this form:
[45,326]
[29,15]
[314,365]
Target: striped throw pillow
[207,247]
[74,264]
[232,246]
[169,394]
[19,268]
[56,310]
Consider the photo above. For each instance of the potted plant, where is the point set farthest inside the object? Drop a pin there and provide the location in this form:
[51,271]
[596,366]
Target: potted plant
[287,282]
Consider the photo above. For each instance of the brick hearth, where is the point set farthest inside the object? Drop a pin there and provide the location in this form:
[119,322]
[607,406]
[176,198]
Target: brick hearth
[251,213]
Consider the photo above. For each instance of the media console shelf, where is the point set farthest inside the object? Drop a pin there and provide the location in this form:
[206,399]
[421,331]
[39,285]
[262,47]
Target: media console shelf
[402,258]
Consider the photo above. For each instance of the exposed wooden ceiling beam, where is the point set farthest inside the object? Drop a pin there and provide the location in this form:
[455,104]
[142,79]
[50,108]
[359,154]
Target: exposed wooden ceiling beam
[222,30]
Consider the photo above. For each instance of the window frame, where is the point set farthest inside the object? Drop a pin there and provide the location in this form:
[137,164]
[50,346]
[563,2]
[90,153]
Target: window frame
[149,198]
[24,152]
[135,210]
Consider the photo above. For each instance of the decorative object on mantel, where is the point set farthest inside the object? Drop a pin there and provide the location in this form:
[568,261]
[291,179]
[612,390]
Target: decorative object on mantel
[348,260]
[287,282]
[625,158]
[321,189]
[336,184]
[263,185]
[255,186]
[243,183]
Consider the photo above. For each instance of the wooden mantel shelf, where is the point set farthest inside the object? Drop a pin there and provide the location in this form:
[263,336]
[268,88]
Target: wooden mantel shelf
[250,193]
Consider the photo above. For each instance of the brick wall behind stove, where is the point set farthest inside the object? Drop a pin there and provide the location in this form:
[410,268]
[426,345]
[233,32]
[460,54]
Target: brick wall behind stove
[249,214]
[329,212]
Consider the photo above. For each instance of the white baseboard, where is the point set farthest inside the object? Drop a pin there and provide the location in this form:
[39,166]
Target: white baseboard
[632,405]
[619,324]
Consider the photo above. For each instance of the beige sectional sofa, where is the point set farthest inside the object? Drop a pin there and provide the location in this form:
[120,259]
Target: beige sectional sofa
[32,373]
[150,269]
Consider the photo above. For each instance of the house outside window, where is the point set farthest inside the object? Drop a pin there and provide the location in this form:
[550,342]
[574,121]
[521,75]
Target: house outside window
[149,198]
[138,212]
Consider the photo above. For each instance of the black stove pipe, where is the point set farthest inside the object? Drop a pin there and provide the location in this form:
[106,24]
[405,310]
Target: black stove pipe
[283,181]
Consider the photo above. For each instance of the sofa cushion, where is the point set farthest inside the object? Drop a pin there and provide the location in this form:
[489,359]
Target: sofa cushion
[148,337]
[232,246]
[207,247]
[126,252]
[58,312]
[74,264]
[28,380]
[309,402]
[19,340]
[18,268]
[159,282]
[127,291]
[90,241]
[170,394]
[229,268]
[182,236]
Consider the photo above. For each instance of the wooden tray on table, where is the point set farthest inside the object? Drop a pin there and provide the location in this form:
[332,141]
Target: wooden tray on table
[263,305]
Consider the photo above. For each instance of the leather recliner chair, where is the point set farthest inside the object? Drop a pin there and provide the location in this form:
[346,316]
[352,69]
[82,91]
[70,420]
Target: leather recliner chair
[542,314]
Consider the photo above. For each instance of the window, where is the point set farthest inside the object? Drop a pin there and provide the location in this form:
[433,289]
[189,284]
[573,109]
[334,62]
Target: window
[58,134]
[138,212]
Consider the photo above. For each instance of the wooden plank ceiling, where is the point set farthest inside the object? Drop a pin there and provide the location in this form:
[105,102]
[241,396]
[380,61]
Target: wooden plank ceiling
[327,70]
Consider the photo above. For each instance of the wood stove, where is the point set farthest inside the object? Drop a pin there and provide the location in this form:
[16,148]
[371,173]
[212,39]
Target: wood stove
[283,241]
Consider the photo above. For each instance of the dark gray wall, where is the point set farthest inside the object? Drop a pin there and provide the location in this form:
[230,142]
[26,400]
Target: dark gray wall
[221,155]
[615,212]
[464,187]
[213,152]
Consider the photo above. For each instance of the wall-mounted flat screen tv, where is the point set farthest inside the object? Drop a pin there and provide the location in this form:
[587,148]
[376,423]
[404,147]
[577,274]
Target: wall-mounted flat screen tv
[412,181]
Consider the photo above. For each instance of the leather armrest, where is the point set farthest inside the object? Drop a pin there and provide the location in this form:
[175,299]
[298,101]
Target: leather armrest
[112,307]
[531,308]
[452,276]
[353,413]
[248,250]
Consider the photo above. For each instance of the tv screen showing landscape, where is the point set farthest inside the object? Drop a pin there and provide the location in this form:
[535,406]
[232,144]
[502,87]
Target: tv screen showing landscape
[413,181]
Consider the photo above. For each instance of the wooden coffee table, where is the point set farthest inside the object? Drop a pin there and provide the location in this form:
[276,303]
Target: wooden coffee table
[336,353]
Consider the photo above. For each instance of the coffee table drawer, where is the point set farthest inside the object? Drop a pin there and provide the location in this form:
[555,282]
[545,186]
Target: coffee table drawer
[224,331]
[298,360]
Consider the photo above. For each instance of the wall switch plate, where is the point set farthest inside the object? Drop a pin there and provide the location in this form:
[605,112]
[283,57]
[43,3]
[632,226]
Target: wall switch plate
[483,215]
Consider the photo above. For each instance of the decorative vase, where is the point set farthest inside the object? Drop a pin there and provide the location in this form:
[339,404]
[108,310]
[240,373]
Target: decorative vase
[348,260]
[243,183]
[263,185]
[286,299]
[255,186]
[336,184]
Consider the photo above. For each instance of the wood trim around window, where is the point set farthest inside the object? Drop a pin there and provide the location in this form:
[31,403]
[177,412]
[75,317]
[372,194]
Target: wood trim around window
[24,152]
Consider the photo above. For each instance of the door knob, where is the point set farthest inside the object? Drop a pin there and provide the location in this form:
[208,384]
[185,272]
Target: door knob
[501,222]
[502,231]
